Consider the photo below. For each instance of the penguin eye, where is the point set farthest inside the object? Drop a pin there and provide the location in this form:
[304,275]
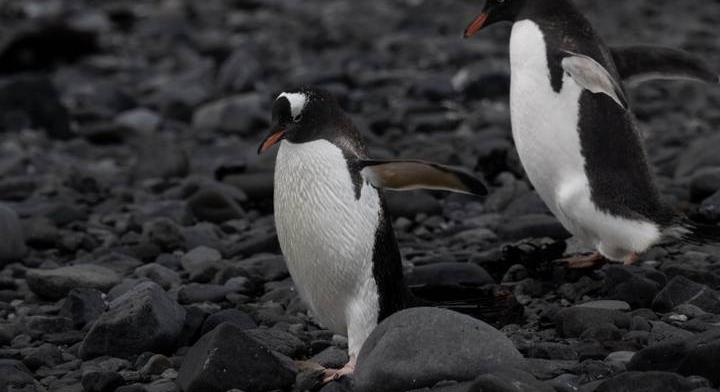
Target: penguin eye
[298,118]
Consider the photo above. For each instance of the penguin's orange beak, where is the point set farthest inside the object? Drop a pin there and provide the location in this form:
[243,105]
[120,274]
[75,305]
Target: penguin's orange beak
[476,25]
[271,140]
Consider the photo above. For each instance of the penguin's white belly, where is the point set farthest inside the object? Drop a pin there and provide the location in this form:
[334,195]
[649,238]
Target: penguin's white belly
[327,235]
[545,130]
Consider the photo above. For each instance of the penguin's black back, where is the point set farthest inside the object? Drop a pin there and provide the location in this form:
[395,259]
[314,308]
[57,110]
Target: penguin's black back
[616,163]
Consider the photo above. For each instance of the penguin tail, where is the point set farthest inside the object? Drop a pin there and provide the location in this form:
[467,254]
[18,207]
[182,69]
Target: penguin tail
[695,233]
[495,305]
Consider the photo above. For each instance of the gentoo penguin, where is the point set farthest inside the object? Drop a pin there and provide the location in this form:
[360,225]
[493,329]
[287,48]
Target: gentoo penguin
[574,131]
[331,219]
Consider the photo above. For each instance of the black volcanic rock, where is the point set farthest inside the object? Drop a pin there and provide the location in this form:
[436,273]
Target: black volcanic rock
[647,382]
[31,101]
[681,290]
[227,358]
[430,345]
[12,246]
[631,286]
[83,305]
[143,319]
[45,46]
[697,355]
[57,283]
[573,322]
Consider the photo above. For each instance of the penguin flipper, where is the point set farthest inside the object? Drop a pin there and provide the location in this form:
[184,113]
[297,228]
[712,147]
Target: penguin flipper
[637,64]
[592,76]
[409,175]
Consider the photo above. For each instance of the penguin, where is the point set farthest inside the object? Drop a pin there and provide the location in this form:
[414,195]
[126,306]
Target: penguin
[575,133]
[331,216]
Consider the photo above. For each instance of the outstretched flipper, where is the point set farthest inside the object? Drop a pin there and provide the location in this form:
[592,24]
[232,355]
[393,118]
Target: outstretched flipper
[592,76]
[411,175]
[637,64]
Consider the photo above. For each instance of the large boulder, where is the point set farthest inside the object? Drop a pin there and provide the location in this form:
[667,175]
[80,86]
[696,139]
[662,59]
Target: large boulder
[420,347]
[57,283]
[227,358]
[143,319]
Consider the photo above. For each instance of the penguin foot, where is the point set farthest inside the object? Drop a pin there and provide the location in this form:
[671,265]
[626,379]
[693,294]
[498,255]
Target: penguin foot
[585,261]
[632,259]
[336,374]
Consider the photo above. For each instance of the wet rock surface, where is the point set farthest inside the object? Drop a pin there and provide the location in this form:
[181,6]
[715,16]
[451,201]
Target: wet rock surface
[137,244]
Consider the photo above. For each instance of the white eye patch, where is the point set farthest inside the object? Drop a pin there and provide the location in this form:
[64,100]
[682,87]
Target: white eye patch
[297,103]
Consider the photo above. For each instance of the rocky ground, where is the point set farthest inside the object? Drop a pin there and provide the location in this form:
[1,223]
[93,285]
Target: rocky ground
[137,245]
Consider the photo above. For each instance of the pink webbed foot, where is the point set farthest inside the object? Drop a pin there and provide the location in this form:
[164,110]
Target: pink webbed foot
[336,374]
[632,259]
[585,261]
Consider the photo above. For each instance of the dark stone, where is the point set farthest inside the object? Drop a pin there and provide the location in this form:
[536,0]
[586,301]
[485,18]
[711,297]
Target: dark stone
[239,72]
[41,324]
[29,101]
[408,207]
[602,333]
[12,246]
[704,183]
[227,358]
[435,345]
[240,114]
[277,340]
[556,351]
[159,158]
[57,283]
[143,319]
[202,263]
[141,120]
[194,319]
[83,306]
[159,274]
[710,208]
[508,379]
[164,233]
[647,382]
[331,357]
[343,385]
[449,274]
[573,322]
[697,355]
[257,186]
[14,376]
[238,318]
[47,355]
[45,46]
[624,284]
[701,154]
[681,290]
[263,268]
[532,226]
[101,381]
[213,205]
[477,82]
[199,292]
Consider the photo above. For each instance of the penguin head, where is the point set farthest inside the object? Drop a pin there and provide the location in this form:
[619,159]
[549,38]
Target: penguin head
[303,115]
[495,11]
